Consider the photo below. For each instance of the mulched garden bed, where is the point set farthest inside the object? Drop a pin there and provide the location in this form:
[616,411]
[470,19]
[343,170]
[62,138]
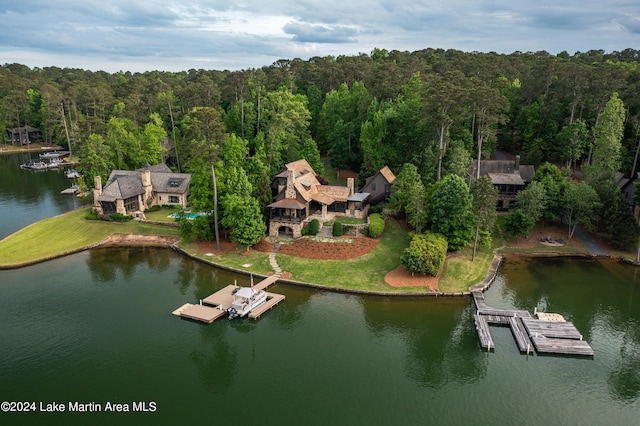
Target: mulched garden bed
[311,249]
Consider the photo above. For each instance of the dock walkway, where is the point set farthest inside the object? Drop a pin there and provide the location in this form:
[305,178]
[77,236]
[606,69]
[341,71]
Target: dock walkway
[547,337]
[217,304]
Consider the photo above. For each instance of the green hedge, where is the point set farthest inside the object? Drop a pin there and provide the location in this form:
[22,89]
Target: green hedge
[376,225]
[337,229]
[314,227]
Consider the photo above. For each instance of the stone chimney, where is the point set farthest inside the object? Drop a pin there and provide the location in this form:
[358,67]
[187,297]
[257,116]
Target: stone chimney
[517,164]
[97,192]
[290,191]
[350,186]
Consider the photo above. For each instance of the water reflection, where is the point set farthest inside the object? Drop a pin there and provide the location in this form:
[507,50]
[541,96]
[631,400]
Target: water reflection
[597,295]
[35,194]
[440,340]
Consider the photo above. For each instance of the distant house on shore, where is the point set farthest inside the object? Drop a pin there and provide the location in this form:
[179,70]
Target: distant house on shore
[508,176]
[132,192]
[23,135]
[300,196]
[379,185]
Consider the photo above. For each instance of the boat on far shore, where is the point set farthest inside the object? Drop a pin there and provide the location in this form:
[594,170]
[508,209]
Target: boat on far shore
[34,165]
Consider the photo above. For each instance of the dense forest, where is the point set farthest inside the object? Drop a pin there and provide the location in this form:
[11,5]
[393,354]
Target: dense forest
[435,109]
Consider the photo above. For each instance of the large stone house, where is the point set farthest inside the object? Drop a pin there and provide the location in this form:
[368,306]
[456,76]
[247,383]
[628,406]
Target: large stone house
[508,176]
[132,192]
[300,196]
[23,135]
[379,185]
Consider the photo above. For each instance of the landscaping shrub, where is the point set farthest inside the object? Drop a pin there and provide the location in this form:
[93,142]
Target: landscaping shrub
[375,209]
[92,216]
[376,225]
[314,227]
[186,229]
[153,209]
[426,253]
[119,217]
[337,229]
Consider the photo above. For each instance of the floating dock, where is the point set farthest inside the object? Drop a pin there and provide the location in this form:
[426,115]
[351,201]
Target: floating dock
[548,334]
[199,312]
[217,304]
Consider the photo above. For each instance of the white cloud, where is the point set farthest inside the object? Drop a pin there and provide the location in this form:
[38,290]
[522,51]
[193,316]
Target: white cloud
[140,35]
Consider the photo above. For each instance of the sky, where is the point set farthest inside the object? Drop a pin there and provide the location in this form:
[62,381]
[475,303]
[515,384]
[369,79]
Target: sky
[178,35]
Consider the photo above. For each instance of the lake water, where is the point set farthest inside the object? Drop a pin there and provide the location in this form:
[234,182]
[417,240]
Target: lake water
[27,196]
[96,327]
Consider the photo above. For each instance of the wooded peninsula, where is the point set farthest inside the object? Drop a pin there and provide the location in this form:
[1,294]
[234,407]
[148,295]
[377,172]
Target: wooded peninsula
[428,115]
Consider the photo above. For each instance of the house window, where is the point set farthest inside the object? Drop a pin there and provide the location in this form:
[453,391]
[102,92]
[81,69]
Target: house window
[373,186]
[174,200]
[131,204]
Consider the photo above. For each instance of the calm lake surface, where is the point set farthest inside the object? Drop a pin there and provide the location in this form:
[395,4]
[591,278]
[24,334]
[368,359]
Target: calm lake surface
[27,196]
[96,327]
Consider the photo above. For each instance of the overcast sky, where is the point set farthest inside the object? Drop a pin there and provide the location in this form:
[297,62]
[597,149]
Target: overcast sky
[175,35]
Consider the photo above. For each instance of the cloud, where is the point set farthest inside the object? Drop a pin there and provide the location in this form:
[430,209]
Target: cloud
[230,34]
[320,33]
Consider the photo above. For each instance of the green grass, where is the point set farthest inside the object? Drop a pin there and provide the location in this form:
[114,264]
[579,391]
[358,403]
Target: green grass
[65,233]
[258,261]
[161,215]
[346,221]
[460,272]
[362,273]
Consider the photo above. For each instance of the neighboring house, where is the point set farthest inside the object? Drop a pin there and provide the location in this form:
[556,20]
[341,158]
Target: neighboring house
[627,187]
[300,196]
[132,192]
[508,176]
[23,135]
[379,185]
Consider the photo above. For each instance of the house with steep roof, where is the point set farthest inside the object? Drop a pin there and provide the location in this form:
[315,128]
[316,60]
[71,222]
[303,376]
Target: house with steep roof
[23,135]
[379,185]
[508,176]
[131,192]
[299,196]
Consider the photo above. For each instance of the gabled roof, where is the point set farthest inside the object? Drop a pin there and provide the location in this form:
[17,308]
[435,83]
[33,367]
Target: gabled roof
[176,183]
[123,184]
[525,171]
[121,187]
[385,172]
[388,174]
[29,129]
[288,203]
[336,192]
[506,179]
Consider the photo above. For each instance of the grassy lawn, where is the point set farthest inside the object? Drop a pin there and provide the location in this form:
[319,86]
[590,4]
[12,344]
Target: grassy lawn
[65,233]
[161,215]
[460,272]
[258,261]
[362,273]
[346,221]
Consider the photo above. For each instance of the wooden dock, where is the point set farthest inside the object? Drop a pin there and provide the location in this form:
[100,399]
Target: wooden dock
[199,312]
[482,328]
[550,336]
[216,305]
[272,300]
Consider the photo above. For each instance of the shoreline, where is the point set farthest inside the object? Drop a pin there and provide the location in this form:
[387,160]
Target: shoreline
[169,242]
